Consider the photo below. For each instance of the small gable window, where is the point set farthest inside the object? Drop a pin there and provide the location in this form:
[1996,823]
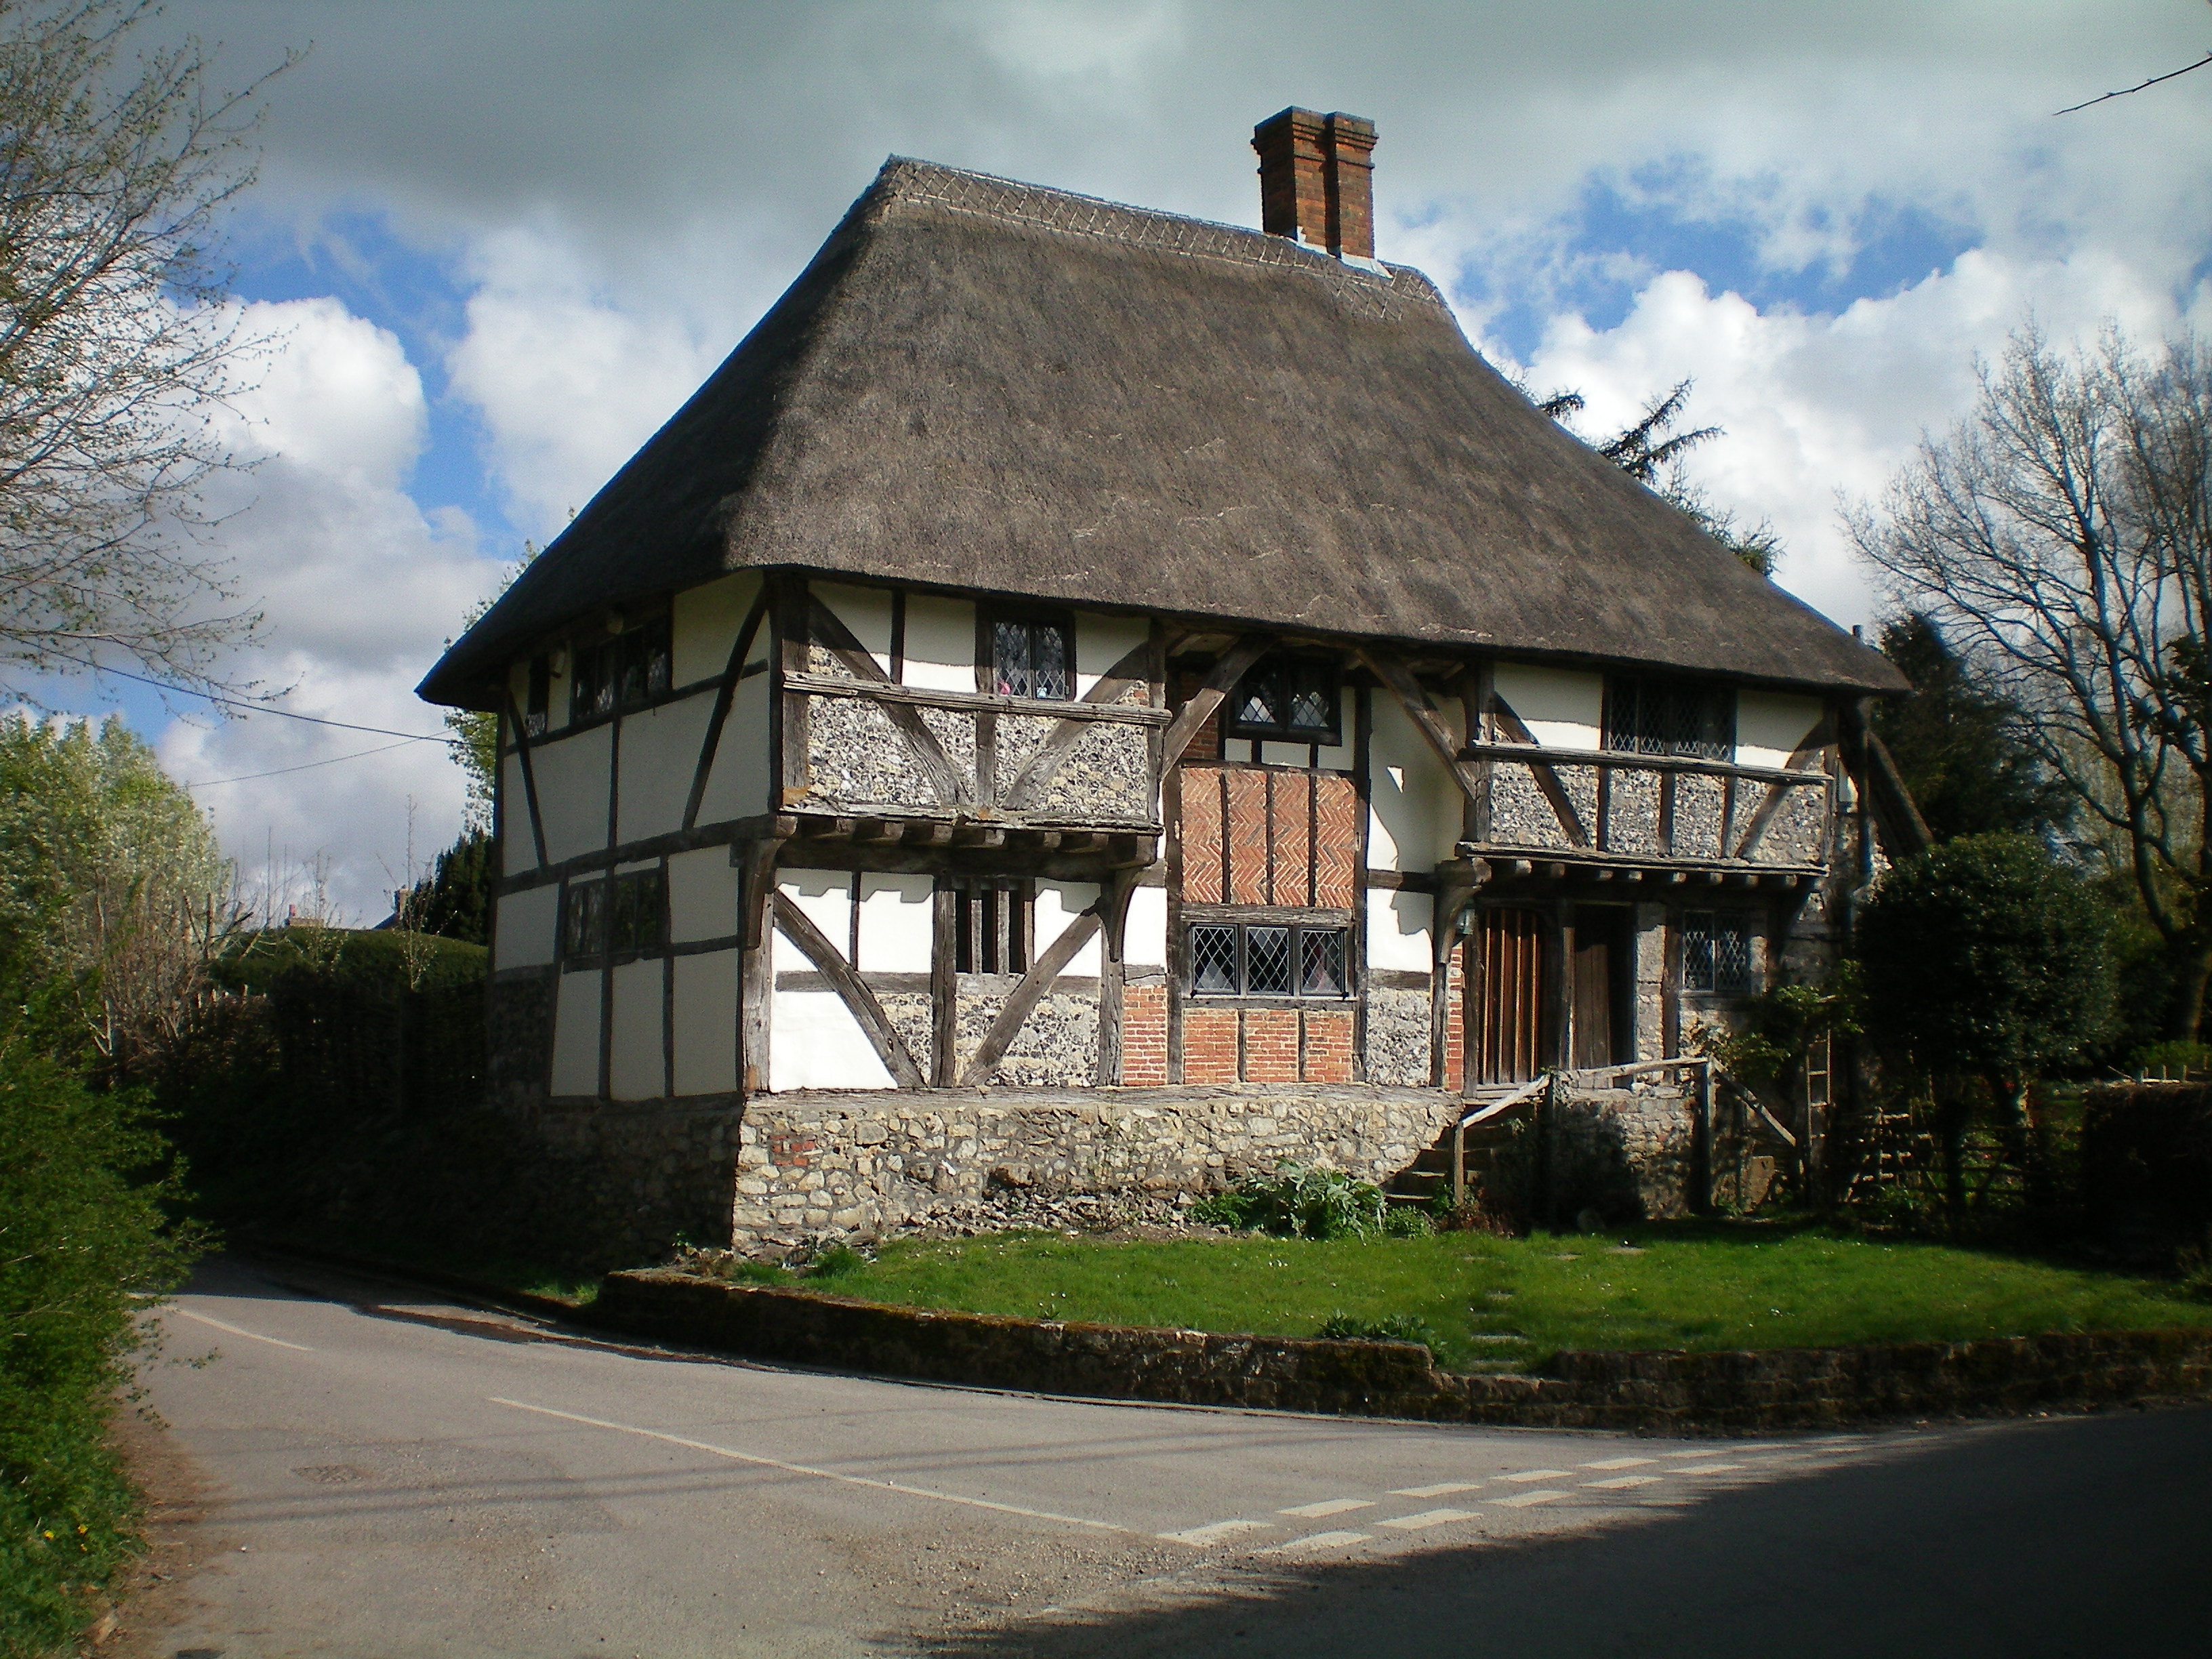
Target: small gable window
[1032,658]
[628,672]
[1717,951]
[1292,699]
[1649,716]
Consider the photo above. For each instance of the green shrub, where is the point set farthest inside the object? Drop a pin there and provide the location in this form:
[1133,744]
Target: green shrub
[1396,1327]
[1404,1221]
[837,1261]
[82,1177]
[1299,1202]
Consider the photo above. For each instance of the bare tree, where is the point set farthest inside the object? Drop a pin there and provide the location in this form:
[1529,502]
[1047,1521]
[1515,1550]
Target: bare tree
[2059,537]
[115,349]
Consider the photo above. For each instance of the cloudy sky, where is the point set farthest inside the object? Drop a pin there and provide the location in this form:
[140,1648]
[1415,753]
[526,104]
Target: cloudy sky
[496,244]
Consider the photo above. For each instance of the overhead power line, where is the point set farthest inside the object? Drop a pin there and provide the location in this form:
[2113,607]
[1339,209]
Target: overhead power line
[254,707]
[2124,91]
[305,766]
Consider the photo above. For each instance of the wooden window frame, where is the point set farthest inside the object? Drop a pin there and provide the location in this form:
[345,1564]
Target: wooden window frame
[1707,978]
[600,903]
[1629,729]
[993,925]
[623,673]
[1298,925]
[988,618]
[1330,736]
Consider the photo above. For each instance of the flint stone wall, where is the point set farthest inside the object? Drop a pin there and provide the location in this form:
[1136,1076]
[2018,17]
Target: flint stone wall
[843,1164]
[1629,1152]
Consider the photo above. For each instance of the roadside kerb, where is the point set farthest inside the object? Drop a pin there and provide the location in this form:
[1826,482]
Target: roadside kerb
[1753,1389]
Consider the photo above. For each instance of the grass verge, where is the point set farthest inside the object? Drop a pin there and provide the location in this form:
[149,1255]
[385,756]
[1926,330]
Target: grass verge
[1504,1304]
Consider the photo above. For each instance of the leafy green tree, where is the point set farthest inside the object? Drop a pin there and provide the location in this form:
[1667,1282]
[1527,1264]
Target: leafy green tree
[1985,965]
[1953,741]
[454,901]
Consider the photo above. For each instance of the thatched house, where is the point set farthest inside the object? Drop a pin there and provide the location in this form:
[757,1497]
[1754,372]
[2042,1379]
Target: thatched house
[1068,649]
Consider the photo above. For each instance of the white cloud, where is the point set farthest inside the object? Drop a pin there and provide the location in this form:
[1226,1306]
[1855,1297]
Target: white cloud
[358,590]
[1815,405]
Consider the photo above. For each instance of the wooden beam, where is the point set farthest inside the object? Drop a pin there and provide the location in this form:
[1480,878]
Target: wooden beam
[1207,698]
[928,832]
[878,831]
[944,985]
[835,638]
[725,696]
[978,834]
[529,777]
[891,1046]
[1127,674]
[1015,1011]
[1547,780]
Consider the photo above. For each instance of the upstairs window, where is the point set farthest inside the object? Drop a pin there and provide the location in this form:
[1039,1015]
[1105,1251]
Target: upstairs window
[1670,717]
[627,671]
[1287,699]
[1717,951]
[1300,960]
[993,927]
[536,716]
[1032,659]
[616,915]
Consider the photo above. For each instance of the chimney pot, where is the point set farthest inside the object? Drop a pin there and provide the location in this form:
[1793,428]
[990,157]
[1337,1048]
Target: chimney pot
[1317,182]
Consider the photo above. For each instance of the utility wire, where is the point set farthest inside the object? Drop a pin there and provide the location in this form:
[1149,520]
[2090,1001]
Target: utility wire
[2126,91]
[305,766]
[254,707]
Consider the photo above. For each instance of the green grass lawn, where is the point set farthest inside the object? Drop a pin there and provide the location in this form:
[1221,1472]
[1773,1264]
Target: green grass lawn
[1504,1304]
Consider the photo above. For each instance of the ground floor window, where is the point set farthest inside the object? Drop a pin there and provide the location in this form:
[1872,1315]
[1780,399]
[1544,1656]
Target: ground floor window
[615,915]
[1717,951]
[1270,959]
[994,924]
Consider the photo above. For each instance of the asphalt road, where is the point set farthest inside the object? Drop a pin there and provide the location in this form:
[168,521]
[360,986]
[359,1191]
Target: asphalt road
[389,1474]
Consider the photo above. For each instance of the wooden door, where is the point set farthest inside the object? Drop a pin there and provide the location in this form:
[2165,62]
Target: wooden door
[1599,958]
[1509,1025]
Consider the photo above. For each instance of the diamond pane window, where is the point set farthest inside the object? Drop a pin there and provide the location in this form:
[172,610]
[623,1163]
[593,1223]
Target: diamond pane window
[1032,659]
[1267,962]
[1321,963]
[1213,961]
[584,932]
[1292,699]
[1670,717]
[1284,960]
[1716,953]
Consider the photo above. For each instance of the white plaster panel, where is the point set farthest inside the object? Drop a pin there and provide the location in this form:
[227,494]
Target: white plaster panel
[897,927]
[576,1035]
[1284,754]
[572,791]
[637,1069]
[702,895]
[1145,933]
[1562,707]
[940,643]
[524,936]
[518,684]
[1339,758]
[1414,817]
[867,612]
[556,689]
[814,1042]
[1770,724]
[826,897]
[1398,930]
[660,754]
[517,850]
[1100,642]
[704,624]
[707,1023]
[1058,904]
[737,787]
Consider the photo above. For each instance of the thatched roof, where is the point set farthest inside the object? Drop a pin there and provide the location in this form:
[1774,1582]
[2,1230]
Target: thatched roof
[985,385]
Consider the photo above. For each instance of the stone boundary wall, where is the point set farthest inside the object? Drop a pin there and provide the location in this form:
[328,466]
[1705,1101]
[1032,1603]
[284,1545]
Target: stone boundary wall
[851,1164]
[1777,1388]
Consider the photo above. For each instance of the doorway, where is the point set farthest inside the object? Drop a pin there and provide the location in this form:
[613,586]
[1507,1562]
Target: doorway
[1598,1024]
[1512,1043]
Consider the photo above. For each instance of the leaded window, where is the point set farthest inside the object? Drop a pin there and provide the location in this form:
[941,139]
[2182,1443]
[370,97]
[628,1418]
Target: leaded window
[1690,718]
[618,916]
[632,668]
[1033,658]
[1717,951]
[1276,959]
[1289,699]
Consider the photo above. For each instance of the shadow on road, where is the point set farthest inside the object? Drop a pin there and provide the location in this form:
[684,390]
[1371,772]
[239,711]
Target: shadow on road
[2078,1536]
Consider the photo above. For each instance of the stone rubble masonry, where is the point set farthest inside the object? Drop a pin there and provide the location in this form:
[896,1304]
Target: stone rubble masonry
[844,1163]
[1782,1387]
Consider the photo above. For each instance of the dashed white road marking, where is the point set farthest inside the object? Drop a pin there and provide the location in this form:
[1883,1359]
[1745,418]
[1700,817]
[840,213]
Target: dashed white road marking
[1539,1474]
[1689,1456]
[255,1336]
[1427,1518]
[1443,1489]
[1624,1483]
[1707,1468]
[802,1468]
[1216,1533]
[1527,1498]
[1328,1506]
[1318,1540]
[1619,1463]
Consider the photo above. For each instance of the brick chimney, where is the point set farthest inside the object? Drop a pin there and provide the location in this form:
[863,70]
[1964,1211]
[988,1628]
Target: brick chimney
[1317,181]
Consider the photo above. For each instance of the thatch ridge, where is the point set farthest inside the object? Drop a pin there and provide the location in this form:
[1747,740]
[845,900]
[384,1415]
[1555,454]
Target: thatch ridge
[981,384]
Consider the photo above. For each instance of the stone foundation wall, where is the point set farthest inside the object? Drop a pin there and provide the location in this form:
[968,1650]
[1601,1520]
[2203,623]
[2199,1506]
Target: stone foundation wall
[1629,1152]
[660,1167]
[850,1164]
